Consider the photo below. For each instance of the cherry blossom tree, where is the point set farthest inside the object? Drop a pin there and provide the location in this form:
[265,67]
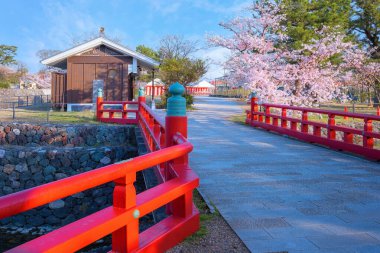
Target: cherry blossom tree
[262,61]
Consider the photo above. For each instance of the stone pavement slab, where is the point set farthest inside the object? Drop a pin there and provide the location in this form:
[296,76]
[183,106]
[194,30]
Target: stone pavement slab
[279,194]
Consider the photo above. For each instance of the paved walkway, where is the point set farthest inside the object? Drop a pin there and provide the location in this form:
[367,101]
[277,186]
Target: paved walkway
[280,194]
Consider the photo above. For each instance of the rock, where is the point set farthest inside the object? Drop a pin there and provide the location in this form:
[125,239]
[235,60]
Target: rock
[15,184]
[79,195]
[7,190]
[59,176]
[25,175]
[57,204]
[11,137]
[97,192]
[105,160]
[49,170]
[52,220]
[45,212]
[36,221]
[65,162]
[22,167]
[21,154]
[97,156]
[101,200]
[16,131]
[2,153]
[49,178]
[62,212]
[84,158]
[8,168]
[51,154]
[29,184]
[68,219]
[19,220]
[38,178]
[44,162]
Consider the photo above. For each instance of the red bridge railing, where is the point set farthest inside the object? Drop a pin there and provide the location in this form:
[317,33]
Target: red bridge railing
[125,114]
[278,118]
[122,218]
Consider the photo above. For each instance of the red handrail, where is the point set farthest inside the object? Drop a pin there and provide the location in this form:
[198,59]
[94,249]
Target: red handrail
[124,112]
[25,200]
[121,219]
[299,127]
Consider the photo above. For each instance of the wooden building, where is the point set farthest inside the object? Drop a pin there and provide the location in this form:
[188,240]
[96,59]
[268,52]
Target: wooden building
[103,62]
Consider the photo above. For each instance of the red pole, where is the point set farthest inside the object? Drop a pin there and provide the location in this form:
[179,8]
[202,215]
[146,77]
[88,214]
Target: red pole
[254,107]
[378,111]
[141,99]
[99,105]
[176,122]
[345,110]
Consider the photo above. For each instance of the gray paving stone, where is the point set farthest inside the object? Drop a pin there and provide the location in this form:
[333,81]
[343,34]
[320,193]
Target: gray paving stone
[346,240]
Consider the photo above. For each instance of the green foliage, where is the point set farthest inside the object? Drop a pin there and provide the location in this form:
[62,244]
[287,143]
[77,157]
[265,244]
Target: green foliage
[7,54]
[365,23]
[305,17]
[176,65]
[4,84]
[182,70]
[148,52]
[164,99]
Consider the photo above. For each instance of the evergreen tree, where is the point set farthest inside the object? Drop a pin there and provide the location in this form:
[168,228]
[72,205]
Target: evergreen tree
[305,18]
[365,24]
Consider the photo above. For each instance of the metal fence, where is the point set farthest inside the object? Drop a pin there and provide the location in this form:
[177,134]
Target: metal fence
[23,101]
[43,113]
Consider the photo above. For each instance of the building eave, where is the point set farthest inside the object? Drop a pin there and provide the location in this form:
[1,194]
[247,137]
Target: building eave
[146,61]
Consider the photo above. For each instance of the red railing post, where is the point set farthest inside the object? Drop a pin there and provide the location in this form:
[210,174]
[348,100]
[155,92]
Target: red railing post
[176,122]
[124,113]
[367,140]
[141,99]
[331,133]
[267,113]
[304,125]
[345,110]
[254,107]
[284,122]
[293,124]
[99,104]
[126,238]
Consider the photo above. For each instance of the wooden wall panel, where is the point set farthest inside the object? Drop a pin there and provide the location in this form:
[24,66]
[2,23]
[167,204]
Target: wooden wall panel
[76,83]
[82,70]
[124,91]
[88,77]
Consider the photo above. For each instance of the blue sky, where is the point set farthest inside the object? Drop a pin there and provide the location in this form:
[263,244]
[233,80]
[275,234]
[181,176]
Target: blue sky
[32,25]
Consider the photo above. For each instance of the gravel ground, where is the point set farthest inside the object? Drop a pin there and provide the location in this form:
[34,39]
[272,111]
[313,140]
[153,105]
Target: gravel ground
[219,238]
[215,235]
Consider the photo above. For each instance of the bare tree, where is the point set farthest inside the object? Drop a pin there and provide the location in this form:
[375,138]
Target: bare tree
[176,47]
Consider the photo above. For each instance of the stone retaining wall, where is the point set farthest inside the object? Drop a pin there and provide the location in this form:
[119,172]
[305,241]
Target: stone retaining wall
[32,155]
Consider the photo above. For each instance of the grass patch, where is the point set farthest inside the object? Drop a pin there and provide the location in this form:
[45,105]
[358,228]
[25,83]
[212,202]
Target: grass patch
[205,217]
[238,118]
[43,115]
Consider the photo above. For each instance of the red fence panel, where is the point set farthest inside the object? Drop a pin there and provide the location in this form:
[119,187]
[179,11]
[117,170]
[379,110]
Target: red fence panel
[281,119]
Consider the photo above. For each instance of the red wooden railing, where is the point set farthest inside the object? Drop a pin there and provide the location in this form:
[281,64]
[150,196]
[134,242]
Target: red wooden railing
[170,150]
[278,120]
[123,113]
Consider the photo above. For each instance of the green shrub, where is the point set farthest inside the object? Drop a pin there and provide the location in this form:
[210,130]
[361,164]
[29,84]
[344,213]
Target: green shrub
[163,103]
